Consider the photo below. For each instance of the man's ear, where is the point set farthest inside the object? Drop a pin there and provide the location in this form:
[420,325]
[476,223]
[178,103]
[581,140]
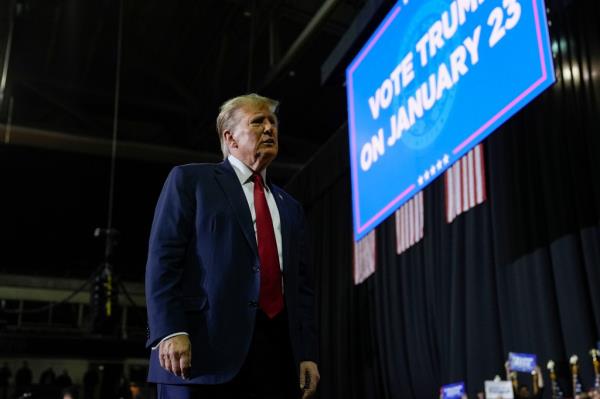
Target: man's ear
[229,139]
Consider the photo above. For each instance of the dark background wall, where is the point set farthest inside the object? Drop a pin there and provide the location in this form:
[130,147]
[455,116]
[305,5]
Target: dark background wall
[52,201]
[518,273]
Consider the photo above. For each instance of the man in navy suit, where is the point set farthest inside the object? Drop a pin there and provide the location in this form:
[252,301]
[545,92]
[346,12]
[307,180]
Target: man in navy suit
[228,285]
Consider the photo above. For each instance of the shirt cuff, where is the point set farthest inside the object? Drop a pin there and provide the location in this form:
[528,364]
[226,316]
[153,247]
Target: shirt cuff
[169,336]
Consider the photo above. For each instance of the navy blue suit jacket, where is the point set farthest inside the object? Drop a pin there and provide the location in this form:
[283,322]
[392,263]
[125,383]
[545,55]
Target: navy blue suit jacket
[203,273]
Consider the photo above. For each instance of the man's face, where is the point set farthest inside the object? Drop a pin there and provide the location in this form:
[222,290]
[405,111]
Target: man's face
[253,138]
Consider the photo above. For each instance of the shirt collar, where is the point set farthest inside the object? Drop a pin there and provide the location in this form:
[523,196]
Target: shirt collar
[243,172]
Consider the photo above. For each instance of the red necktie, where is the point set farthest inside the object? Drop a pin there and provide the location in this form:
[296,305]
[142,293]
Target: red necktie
[270,298]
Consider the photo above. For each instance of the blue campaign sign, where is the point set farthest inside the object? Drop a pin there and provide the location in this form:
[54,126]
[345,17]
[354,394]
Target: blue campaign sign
[523,362]
[453,391]
[434,80]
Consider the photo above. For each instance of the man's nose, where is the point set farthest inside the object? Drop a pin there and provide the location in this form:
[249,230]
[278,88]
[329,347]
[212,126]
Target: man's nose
[268,127]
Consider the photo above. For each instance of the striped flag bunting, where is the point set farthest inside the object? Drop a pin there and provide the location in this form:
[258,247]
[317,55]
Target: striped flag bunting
[364,257]
[409,223]
[465,183]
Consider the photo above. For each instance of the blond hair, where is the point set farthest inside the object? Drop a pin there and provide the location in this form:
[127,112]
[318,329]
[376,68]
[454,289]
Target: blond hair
[227,113]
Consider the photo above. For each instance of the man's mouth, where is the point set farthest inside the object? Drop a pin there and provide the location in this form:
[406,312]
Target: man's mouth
[269,142]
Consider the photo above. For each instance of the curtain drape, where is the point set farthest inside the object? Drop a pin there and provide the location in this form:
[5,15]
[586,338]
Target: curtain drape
[520,272]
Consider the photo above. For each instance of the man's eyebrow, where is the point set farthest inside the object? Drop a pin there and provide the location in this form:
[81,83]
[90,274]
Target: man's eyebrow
[263,116]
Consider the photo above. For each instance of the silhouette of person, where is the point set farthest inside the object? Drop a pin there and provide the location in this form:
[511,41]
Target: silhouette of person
[5,375]
[23,378]
[90,381]
[63,381]
[48,377]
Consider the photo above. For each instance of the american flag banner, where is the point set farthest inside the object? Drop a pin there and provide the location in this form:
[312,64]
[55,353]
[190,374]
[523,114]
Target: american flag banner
[364,258]
[465,183]
[409,223]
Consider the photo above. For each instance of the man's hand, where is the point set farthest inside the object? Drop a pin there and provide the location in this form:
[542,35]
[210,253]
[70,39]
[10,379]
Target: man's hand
[175,355]
[309,378]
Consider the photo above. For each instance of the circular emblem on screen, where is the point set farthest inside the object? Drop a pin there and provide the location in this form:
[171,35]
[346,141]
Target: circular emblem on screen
[425,130]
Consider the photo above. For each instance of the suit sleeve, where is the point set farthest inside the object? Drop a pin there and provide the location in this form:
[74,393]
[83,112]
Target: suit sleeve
[169,238]
[306,294]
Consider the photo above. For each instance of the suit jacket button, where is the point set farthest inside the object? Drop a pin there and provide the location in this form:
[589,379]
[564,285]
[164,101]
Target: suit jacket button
[255,268]
[253,304]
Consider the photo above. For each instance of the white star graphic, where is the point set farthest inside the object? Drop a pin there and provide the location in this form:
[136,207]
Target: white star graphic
[439,165]
[446,159]
[432,170]
[426,175]
[420,180]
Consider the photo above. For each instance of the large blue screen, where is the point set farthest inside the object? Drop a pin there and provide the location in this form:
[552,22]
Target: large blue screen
[435,79]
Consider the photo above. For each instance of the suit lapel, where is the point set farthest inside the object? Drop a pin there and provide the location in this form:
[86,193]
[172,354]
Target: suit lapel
[284,219]
[230,184]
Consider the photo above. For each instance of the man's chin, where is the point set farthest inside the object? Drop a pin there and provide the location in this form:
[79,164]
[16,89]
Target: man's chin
[267,152]
[265,156]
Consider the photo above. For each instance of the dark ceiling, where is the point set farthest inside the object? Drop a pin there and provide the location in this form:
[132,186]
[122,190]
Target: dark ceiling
[178,61]
[168,65]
